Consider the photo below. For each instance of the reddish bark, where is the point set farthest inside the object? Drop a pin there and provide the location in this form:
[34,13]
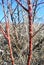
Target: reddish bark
[9,42]
[30,28]
[7,36]
[30,31]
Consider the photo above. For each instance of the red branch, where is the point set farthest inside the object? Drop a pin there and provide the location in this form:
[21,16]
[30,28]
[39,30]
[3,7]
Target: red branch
[9,42]
[30,31]
[7,36]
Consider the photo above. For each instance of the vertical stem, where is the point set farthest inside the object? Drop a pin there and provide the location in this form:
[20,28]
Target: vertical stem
[9,43]
[11,55]
[30,31]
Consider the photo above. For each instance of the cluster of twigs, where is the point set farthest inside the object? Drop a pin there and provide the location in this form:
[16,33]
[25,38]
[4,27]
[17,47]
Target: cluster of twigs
[7,20]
